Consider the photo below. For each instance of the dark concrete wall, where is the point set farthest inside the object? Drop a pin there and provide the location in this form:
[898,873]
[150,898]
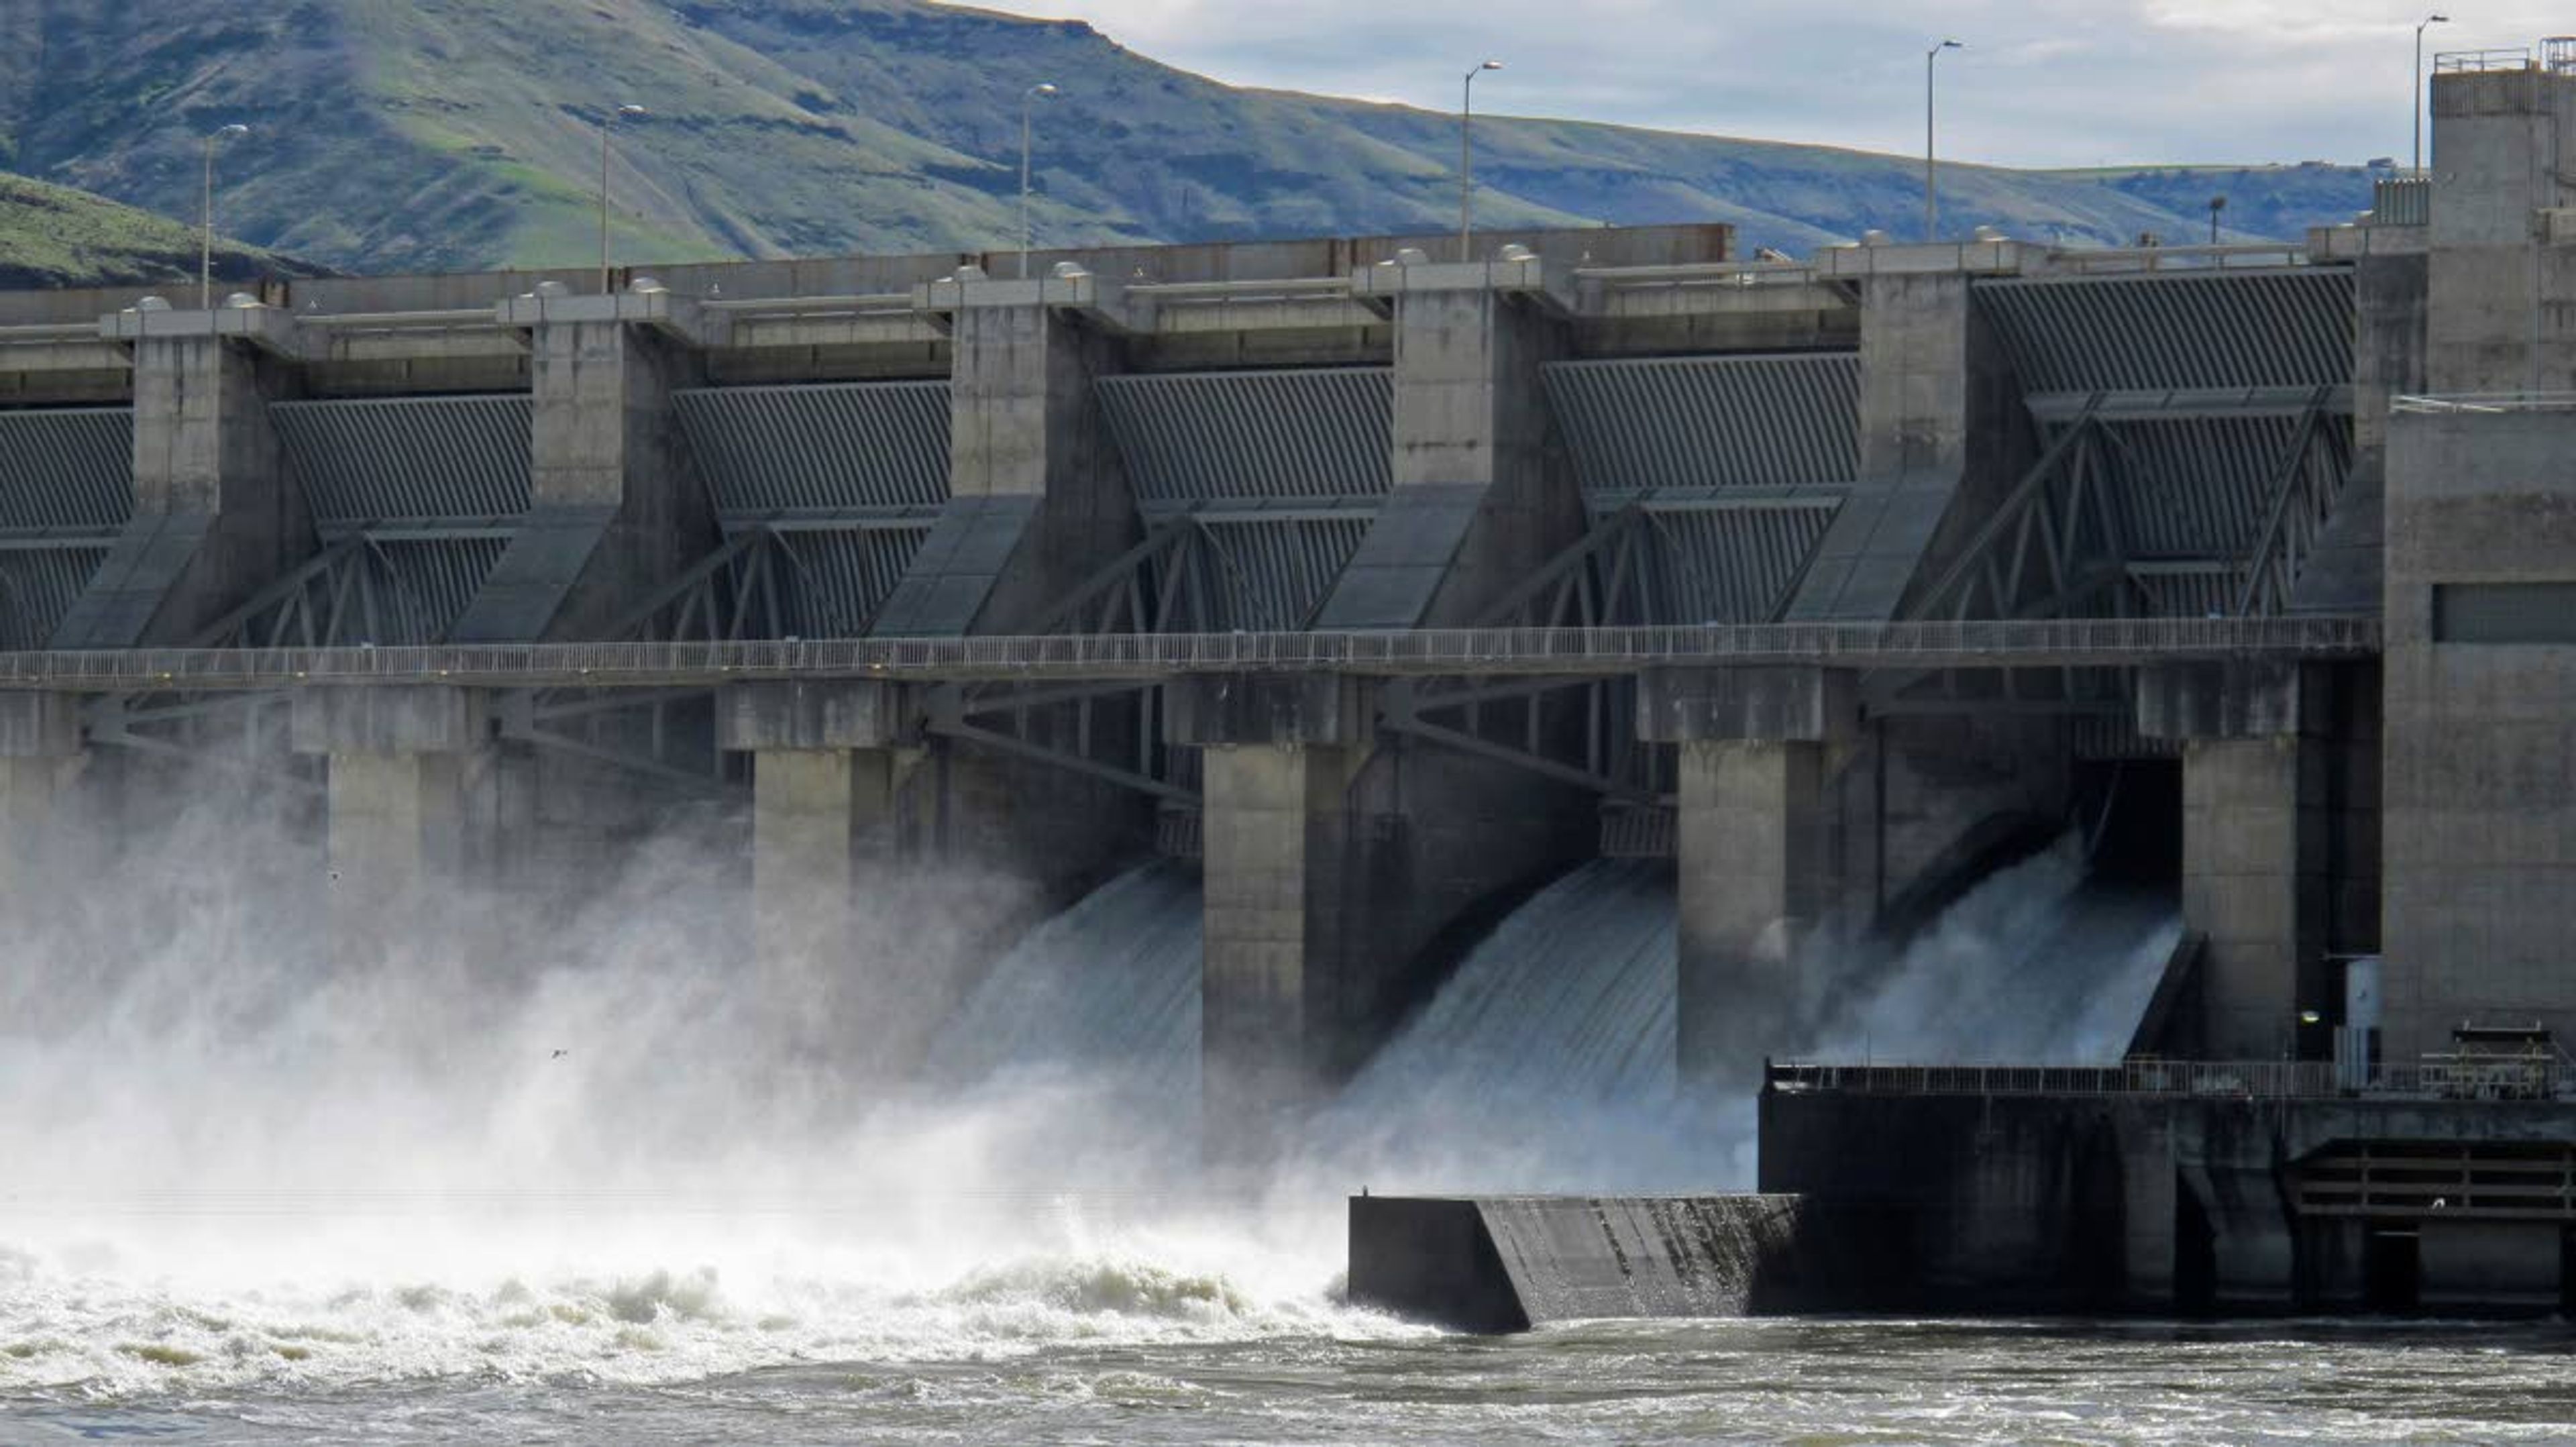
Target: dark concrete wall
[2135,1203]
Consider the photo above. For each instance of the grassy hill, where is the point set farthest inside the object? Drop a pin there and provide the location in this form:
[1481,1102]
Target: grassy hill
[435,134]
[55,236]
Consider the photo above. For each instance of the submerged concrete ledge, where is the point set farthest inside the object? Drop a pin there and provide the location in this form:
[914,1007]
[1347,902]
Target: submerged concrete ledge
[1510,1263]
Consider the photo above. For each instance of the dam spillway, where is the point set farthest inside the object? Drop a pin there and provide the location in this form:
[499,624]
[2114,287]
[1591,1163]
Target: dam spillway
[1371,589]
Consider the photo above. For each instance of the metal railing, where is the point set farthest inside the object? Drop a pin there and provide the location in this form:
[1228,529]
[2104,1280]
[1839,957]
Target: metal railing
[1502,651]
[2494,402]
[2503,57]
[2232,256]
[2437,1078]
[2405,200]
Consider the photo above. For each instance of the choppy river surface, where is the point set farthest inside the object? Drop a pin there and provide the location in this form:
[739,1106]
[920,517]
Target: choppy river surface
[1117,1350]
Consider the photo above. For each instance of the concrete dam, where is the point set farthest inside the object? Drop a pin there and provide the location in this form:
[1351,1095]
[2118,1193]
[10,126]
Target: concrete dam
[1336,687]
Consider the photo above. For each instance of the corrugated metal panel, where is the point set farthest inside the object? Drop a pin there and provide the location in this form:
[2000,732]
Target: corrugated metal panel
[1726,565]
[37,587]
[409,457]
[2190,592]
[832,582]
[2091,334]
[1262,574]
[860,444]
[67,467]
[421,588]
[2196,487]
[1710,421]
[1185,437]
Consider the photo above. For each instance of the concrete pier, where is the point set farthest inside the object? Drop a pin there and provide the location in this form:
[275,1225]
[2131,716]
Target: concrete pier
[2255,877]
[41,755]
[828,762]
[215,516]
[1749,847]
[614,510]
[405,765]
[1290,967]
[1938,428]
[1036,497]
[1478,501]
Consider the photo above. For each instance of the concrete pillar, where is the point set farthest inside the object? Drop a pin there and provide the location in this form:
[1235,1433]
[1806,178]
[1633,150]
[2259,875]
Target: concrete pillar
[1940,429]
[1037,500]
[2255,876]
[40,757]
[828,760]
[1481,496]
[2502,269]
[1293,978]
[613,509]
[1749,847]
[1037,504]
[216,516]
[404,764]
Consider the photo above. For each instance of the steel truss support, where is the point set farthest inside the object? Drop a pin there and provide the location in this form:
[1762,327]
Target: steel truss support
[2050,547]
[544,719]
[2306,483]
[727,596]
[244,734]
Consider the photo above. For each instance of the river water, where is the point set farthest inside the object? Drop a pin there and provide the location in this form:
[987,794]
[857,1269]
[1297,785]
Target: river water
[1113,1348]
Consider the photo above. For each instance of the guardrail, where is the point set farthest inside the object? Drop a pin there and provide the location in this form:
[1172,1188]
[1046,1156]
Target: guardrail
[2495,402]
[2446,1078]
[2508,57]
[1495,651]
[2232,256]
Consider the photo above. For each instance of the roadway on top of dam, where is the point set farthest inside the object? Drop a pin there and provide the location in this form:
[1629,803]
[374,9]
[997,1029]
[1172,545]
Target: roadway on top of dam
[1147,657]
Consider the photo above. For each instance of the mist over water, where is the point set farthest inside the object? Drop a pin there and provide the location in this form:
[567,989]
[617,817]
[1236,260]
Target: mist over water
[517,1141]
[522,1142]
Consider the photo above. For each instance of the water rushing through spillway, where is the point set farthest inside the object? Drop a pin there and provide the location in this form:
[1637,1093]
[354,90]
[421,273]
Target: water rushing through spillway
[604,1174]
[1108,987]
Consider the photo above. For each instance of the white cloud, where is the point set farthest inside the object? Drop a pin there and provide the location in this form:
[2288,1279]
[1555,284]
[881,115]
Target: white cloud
[2073,82]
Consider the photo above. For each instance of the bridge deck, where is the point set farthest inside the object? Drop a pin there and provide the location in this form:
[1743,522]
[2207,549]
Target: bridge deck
[2054,643]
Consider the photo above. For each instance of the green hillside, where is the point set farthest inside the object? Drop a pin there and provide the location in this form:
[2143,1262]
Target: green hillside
[439,134]
[55,236]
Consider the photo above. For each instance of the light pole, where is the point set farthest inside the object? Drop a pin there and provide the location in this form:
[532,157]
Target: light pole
[1931,192]
[1467,161]
[206,243]
[607,124]
[2419,86]
[2216,205]
[1028,132]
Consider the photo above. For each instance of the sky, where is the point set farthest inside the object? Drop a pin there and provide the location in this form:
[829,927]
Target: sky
[2041,82]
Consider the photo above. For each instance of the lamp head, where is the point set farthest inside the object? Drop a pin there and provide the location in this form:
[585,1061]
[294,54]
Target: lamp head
[633,111]
[1046,88]
[1951,45]
[225,133]
[2437,20]
[1491,65]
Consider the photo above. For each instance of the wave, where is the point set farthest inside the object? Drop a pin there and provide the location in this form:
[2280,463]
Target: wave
[106,1335]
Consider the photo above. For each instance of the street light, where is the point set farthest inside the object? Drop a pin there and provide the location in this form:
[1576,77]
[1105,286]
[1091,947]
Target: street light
[607,124]
[1931,193]
[1467,161]
[1028,123]
[206,246]
[2216,205]
[2419,86]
